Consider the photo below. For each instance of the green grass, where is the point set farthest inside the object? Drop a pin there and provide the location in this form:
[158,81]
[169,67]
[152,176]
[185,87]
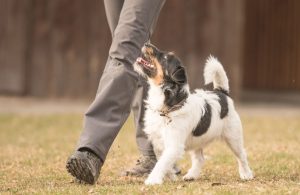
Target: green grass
[34,150]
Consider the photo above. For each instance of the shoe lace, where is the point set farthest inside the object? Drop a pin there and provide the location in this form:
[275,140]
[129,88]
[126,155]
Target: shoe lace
[91,157]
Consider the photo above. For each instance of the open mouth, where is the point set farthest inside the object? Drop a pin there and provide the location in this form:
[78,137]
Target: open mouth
[145,63]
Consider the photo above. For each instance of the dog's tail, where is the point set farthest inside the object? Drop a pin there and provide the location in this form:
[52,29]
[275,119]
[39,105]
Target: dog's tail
[215,73]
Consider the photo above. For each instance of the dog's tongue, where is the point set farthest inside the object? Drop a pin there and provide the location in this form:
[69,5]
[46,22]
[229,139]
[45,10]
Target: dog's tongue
[142,61]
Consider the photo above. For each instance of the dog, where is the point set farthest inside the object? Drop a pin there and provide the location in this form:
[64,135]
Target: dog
[177,120]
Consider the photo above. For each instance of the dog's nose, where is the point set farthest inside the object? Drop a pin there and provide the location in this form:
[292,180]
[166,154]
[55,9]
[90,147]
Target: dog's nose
[148,47]
[151,48]
[144,49]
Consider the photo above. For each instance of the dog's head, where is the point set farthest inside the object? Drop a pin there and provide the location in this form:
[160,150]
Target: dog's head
[164,70]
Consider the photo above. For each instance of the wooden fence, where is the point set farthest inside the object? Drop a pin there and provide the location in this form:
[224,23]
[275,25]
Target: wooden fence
[58,48]
[272,45]
[53,48]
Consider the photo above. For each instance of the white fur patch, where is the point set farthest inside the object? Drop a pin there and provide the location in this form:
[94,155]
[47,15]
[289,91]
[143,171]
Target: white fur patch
[214,72]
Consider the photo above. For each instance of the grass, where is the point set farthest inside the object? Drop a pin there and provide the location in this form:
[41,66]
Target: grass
[34,149]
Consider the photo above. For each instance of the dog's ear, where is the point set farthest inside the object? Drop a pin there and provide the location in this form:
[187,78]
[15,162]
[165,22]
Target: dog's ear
[179,75]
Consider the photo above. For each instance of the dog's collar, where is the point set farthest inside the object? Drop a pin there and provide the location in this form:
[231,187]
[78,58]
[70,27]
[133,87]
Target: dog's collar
[166,110]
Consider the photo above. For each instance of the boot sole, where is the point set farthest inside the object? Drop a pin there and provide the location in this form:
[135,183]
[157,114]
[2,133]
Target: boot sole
[79,168]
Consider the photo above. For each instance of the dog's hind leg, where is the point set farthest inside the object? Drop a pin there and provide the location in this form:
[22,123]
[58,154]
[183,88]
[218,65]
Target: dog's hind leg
[197,163]
[233,136]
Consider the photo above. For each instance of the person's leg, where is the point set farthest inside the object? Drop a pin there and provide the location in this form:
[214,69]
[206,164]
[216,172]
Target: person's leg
[118,84]
[147,161]
[78,163]
[138,109]
[111,107]
[113,9]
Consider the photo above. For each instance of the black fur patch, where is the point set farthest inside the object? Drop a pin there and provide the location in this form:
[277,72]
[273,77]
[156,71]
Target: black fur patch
[222,91]
[174,94]
[204,122]
[223,102]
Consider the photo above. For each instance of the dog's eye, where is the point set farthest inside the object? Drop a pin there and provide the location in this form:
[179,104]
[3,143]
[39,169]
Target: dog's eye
[165,57]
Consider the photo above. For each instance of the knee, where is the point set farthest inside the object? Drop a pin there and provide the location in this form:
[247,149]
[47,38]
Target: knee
[127,42]
[120,74]
[130,31]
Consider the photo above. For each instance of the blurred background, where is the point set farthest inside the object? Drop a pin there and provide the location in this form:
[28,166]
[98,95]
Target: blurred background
[58,48]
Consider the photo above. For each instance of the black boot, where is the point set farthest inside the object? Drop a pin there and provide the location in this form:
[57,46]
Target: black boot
[84,166]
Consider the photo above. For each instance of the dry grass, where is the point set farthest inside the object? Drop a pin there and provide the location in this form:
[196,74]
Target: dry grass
[34,149]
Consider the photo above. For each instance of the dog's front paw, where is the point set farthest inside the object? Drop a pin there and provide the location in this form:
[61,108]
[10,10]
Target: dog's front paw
[153,181]
[191,176]
[246,175]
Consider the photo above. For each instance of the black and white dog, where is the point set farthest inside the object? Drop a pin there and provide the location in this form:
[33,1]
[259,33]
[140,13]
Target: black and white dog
[177,120]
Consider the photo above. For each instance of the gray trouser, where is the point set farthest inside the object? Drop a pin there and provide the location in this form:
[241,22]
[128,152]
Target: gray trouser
[131,23]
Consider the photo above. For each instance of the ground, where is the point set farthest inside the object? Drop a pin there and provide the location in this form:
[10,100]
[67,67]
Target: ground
[36,137]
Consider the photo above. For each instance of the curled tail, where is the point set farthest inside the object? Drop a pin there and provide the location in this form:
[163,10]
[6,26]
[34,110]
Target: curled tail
[215,73]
